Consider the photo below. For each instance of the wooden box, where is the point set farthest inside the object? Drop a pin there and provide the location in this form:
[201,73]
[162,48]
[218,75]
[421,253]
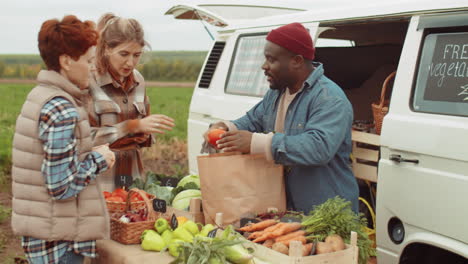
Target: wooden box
[346,256]
[195,213]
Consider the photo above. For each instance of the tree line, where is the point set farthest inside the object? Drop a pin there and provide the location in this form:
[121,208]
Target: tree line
[155,66]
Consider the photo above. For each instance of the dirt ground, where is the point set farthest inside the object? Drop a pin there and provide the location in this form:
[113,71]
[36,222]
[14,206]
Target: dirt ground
[12,244]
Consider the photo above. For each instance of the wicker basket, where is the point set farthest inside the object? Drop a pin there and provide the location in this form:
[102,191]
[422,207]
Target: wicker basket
[130,233]
[119,207]
[380,108]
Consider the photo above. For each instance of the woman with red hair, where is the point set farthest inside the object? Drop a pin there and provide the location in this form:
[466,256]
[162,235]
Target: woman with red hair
[58,208]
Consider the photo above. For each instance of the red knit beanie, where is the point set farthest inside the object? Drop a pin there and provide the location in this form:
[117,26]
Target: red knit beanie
[295,38]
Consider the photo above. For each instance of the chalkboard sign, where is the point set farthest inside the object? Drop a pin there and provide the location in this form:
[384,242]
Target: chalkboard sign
[174,222]
[159,205]
[443,70]
[169,181]
[212,233]
[247,221]
[123,181]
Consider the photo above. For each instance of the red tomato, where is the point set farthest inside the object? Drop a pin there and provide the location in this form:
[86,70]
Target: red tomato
[136,197]
[120,193]
[115,199]
[107,194]
[215,135]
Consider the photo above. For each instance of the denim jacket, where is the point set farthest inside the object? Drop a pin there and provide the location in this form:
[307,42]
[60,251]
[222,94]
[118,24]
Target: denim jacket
[316,144]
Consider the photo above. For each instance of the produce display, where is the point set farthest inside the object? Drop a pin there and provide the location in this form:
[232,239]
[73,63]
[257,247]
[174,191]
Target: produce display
[335,216]
[277,235]
[120,195]
[178,197]
[325,229]
[189,242]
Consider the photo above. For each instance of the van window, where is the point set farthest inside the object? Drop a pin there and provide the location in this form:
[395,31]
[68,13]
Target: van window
[442,82]
[246,76]
[328,42]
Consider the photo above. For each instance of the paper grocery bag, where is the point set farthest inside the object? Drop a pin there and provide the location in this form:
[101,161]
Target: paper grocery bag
[235,184]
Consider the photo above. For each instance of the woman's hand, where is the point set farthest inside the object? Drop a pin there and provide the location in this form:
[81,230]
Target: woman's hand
[108,155]
[155,124]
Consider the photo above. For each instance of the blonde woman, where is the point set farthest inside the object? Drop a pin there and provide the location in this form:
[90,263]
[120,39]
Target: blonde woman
[120,111]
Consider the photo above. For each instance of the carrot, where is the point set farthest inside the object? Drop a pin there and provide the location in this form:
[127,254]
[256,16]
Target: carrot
[255,235]
[288,236]
[264,237]
[307,249]
[286,229]
[301,239]
[258,226]
[269,229]
[269,235]
[272,228]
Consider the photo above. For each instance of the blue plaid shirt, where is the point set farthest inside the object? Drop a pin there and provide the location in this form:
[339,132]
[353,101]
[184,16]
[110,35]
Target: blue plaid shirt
[65,176]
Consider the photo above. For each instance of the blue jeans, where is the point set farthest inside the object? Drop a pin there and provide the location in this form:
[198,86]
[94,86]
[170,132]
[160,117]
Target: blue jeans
[70,257]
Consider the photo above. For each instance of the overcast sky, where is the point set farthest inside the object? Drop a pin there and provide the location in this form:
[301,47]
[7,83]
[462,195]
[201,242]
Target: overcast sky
[20,20]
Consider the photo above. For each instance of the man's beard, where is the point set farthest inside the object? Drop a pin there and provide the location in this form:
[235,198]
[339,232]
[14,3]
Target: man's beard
[278,86]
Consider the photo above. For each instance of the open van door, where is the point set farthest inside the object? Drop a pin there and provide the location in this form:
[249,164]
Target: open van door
[222,15]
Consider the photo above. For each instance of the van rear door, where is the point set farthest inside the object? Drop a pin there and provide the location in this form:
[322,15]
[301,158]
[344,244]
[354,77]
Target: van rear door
[222,15]
[423,170]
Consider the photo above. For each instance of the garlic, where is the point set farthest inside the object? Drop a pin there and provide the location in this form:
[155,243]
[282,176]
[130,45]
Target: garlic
[124,219]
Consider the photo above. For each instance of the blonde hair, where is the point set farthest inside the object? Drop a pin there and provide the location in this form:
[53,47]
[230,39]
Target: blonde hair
[114,31]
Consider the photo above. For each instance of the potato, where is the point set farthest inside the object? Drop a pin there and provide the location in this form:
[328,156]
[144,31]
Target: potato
[269,243]
[336,242]
[323,248]
[280,247]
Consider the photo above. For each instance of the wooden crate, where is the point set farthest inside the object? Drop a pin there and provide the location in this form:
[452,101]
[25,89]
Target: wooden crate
[365,158]
[346,256]
[195,213]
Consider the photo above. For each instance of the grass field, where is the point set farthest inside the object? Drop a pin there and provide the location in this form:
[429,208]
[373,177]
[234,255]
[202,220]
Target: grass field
[173,102]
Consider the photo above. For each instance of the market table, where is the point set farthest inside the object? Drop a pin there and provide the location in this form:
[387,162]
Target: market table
[113,252]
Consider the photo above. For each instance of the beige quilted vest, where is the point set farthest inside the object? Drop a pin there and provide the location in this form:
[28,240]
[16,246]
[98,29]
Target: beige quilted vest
[35,213]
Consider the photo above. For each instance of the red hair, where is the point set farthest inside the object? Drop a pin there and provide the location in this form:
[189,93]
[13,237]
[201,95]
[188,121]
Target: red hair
[70,36]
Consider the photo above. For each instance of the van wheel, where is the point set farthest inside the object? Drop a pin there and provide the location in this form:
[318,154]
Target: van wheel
[426,254]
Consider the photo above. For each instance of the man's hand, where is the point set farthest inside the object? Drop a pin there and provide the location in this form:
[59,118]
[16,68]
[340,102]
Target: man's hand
[219,125]
[236,141]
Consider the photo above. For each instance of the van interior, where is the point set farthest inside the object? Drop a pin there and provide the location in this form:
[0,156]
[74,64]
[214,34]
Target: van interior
[371,53]
[359,56]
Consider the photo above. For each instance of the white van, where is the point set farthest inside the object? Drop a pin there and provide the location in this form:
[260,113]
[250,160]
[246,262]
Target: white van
[420,160]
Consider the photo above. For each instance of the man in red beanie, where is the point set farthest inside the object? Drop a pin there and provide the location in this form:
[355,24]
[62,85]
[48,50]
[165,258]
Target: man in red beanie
[303,122]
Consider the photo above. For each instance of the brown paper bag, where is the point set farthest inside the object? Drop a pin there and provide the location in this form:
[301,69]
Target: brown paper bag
[235,184]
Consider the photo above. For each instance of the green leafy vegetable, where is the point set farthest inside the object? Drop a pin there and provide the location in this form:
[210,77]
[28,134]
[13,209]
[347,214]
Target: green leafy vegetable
[204,251]
[161,192]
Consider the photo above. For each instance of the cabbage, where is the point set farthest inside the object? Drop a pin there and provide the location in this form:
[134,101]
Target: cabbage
[189,178]
[182,200]
[161,192]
